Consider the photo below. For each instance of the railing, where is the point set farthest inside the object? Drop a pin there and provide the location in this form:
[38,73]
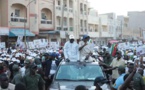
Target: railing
[96,30]
[18,19]
[81,12]
[46,21]
[82,29]
[65,28]
[58,7]
[90,30]
[85,13]
[71,28]
[58,27]
[71,10]
[65,9]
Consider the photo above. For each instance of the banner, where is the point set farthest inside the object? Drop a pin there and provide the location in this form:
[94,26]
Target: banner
[31,45]
[37,43]
[19,40]
[2,45]
[54,45]
[140,50]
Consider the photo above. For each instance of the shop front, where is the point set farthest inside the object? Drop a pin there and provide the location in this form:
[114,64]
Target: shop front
[14,33]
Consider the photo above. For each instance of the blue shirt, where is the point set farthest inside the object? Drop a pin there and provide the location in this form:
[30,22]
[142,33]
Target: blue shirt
[119,81]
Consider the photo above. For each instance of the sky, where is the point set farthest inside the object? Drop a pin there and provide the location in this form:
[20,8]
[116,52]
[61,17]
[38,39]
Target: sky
[120,7]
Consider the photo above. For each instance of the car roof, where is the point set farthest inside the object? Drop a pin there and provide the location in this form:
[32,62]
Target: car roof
[76,63]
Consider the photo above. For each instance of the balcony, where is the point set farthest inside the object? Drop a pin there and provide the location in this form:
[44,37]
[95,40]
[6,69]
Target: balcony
[46,21]
[65,9]
[96,30]
[90,30]
[71,28]
[65,28]
[82,29]
[85,13]
[58,7]
[58,27]
[85,29]
[70,10]
[82,12]
[18,19]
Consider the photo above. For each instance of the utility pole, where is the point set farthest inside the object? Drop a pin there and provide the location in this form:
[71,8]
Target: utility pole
[62,12]
[62,17]
[26,22]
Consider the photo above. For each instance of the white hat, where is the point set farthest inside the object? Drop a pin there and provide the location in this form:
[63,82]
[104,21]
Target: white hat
[130,61]
[71,37]
[1,61]
[134,57]
[143,58]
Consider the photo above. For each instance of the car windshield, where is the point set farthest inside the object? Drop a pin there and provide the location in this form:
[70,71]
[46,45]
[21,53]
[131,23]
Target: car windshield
[74,72]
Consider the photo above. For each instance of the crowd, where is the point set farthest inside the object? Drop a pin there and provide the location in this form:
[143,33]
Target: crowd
[34,69]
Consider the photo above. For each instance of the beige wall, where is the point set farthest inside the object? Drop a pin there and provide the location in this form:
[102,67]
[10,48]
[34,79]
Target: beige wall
[4,15]
[0,13]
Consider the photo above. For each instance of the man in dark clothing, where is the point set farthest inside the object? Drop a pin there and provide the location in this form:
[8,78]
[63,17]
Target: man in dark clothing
[50,64]
[138,82]
[33,81]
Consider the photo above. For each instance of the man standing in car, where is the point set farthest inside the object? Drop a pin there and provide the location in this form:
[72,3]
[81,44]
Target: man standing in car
[71,51]
[85,49]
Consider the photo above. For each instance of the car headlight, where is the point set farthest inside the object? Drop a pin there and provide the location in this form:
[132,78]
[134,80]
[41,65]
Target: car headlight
[54,86]
[53,89]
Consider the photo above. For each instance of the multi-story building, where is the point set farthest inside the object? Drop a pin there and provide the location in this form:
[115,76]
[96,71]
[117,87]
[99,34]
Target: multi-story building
[122,30]
[93,24]
[33,16]
[107,27]
[70,18]
[136,22]
[83,17]
[65,19]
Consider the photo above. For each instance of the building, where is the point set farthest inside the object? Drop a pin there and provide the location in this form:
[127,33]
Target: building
[93,24]
[123,31]
[107,27]
[65,20]
[19,16]
[71,17]
[83,17]
[136,22]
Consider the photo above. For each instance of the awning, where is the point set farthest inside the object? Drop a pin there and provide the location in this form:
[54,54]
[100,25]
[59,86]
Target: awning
[4,31]
[20,32]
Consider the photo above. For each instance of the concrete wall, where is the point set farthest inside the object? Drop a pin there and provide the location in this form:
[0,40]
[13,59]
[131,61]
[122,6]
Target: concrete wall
[4,10]
[136,20]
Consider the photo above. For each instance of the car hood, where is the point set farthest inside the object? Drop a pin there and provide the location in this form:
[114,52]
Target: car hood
[70,85]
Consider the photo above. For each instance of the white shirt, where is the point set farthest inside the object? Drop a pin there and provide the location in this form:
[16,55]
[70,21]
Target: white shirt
[71,51]
[22,70]
[85,50]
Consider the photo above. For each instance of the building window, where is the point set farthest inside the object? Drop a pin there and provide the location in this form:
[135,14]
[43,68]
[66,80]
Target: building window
[43,16]
[17,13]
[58,2]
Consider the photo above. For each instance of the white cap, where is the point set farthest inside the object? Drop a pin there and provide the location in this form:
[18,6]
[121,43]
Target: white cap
[1,61]
[130,61]
[134,56]
[144,59]
[71,37]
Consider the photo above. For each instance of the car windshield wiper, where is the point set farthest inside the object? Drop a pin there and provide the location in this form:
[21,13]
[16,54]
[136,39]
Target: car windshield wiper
[85,80]
[65,80]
